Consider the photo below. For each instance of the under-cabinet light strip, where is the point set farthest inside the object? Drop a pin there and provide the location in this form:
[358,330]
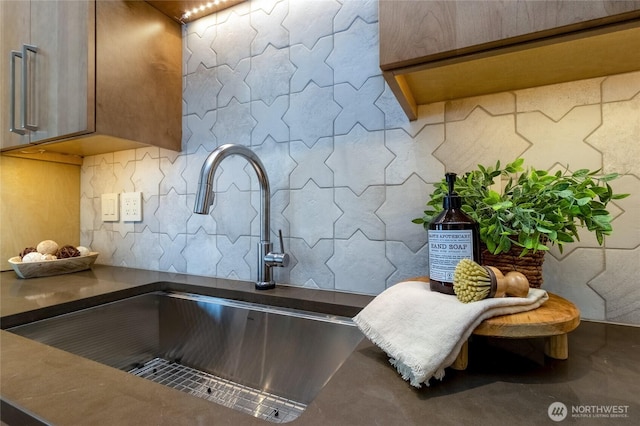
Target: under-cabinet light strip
[190,14]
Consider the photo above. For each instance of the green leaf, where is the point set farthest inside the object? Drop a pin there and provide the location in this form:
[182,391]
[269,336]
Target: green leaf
[609,177]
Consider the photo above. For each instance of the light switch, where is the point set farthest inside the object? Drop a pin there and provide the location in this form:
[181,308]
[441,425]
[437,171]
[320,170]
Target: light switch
[110,207]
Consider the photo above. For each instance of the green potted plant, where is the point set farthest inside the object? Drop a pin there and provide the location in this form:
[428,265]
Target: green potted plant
[534,210]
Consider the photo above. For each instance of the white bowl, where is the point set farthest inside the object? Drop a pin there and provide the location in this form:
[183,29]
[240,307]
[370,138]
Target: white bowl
[47,268]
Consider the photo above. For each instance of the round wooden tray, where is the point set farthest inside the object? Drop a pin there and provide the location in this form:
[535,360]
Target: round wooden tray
[553,320]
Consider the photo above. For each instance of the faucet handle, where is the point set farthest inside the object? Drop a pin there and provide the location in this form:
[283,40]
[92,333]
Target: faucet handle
[281,241]
[280,259]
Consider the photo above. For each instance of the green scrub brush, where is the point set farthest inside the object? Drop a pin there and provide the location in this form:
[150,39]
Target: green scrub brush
[473,282]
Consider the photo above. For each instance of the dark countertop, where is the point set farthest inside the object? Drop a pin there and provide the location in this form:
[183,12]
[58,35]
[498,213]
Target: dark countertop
[507,382]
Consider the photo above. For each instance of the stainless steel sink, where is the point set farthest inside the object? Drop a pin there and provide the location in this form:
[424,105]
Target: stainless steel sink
[268,362]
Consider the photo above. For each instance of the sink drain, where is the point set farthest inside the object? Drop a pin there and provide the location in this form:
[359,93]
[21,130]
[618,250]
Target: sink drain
[255,402]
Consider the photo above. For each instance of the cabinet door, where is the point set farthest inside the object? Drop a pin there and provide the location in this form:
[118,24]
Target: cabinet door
[63,68]
[59,98]
[14,31]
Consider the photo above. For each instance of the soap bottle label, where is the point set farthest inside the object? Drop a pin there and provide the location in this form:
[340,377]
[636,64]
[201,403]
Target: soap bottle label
[446,249]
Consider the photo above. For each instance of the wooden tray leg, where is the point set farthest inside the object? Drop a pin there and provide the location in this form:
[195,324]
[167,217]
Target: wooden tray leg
[462,360]
[557,346]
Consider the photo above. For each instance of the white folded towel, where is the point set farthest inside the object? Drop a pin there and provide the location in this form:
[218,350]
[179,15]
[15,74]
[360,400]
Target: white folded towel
[423,330]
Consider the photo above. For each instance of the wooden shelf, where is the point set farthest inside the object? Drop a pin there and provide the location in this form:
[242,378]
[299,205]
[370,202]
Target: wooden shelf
[439,51]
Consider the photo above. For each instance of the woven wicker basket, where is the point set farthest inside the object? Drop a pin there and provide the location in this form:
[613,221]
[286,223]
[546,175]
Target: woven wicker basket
[530,264]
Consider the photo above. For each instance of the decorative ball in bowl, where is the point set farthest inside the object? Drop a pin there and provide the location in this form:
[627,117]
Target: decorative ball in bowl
[48,259]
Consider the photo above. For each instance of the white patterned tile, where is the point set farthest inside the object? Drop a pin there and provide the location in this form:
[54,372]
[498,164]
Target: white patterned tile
[86,175]
[123,228]
[279,202]
[367,10]
[312,263]
[186,134]
[235,170]
[96,202]
[359,213]
[103,177]
[202,254]
[407,263]
[170,154]
[87,213]
[404,203]
[122,254]
[123,175]
[311,64]
[414,155]
[172,171]
[267,6]
[267,21]
[360,265]
[311,114]
[569,279]
[626,228]
[147,250]
[233,213]
[147,176]
[201,91]
[197,222]
[103,243]
[269,120]
[200,26]
[359,159]
[557,142]
[614,285]
[358,106]
[494,104]
[558,99]
[149,219]
[277,163]
[311,213]
[311,163]
[309,21]
[233,84]
[394,116]
[621,87]
[480,139]
[173,213]
[123,158]
[234,124]
[148,151]
[172,258]
[617,138]
[198,50]
[233,264]
[201,134]
[232,41]
[355,56]
[270,74]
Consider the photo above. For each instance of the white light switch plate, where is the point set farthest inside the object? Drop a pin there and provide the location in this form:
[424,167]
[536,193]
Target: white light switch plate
[110,208]
[131,206]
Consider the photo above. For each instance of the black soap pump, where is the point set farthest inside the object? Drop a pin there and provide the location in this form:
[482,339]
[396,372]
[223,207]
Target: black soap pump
[453,236]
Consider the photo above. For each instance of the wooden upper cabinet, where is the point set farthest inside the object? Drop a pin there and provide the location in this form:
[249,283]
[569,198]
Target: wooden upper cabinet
[106,76]
[50,45]
[438,50]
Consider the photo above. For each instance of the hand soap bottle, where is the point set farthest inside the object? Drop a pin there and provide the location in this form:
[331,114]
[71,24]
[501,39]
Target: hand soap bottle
[453,236]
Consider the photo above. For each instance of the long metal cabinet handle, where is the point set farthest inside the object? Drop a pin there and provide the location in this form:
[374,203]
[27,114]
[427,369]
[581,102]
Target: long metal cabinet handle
[12,95]
[25,82]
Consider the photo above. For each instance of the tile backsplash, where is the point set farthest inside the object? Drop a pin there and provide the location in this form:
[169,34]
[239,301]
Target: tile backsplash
[298,82]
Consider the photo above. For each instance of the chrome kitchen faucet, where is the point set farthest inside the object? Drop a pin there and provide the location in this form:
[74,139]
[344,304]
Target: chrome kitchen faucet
[204,199]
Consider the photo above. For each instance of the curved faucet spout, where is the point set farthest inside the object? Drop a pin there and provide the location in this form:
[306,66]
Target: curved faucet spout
[205,196]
